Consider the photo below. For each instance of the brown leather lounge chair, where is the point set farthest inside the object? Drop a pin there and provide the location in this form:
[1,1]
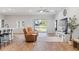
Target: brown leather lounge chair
[30,36]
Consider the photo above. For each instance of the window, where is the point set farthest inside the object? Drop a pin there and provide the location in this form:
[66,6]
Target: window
[20,24]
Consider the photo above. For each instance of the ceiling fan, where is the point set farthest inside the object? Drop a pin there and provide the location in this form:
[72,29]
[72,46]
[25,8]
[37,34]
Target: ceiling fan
[44,10]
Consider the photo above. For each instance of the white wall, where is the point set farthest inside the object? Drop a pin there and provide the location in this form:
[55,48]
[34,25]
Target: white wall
[2,17]
[28,19]
[12,20]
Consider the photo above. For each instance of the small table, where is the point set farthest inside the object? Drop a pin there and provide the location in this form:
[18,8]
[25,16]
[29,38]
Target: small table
[76,43]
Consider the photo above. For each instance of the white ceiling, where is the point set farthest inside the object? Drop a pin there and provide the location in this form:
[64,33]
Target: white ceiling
[28,10]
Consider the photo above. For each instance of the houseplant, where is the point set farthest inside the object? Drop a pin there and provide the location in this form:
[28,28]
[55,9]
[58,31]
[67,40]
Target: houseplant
[72,25]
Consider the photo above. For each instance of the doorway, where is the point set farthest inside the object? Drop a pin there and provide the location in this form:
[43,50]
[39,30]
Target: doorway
[40,25]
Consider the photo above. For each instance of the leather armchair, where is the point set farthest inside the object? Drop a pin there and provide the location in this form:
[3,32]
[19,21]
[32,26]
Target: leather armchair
[30,35]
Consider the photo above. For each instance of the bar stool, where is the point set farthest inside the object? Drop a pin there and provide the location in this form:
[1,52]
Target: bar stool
[6,37]
[1,38]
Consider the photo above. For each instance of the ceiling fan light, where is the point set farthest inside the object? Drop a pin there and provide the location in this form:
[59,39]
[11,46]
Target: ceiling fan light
[41,11]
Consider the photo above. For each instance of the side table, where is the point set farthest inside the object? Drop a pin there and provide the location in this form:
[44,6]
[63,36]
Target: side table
[76,43]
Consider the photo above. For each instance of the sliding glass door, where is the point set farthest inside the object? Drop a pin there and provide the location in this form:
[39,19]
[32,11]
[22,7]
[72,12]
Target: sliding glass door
[40,25]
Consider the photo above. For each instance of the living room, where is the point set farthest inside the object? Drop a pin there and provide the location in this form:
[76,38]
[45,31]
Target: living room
[53,36]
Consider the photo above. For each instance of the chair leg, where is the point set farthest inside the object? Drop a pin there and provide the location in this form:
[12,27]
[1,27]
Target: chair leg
[0,43]
[0,46]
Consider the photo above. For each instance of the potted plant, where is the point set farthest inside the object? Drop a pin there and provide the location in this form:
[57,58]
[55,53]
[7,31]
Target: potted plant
[72,26]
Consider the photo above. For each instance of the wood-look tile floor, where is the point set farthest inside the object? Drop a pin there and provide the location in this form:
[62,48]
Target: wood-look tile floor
[19,44]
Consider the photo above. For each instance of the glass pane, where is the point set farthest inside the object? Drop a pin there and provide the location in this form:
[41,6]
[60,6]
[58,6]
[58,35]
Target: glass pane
[41,25]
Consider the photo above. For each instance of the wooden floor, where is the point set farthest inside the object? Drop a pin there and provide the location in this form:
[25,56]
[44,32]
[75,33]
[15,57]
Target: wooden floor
[19,44]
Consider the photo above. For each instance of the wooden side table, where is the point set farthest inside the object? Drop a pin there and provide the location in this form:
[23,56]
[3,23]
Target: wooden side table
[76,43]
